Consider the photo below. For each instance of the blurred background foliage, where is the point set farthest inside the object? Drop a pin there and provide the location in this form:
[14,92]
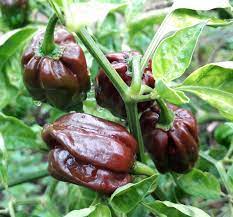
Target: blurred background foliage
[21,118]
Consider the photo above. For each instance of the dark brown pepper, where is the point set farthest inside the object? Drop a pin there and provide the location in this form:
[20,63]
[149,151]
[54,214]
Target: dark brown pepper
[61,82]
[90,151]
[107,95]
[175,150]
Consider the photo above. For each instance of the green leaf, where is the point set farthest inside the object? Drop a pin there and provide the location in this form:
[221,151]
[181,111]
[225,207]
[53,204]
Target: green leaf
[84,197]
[78,15]
[169,209]
[182,18]
[101,211]
[134,9]
[82,212]
[126,198]
[169,94]
[13,43]
[174,54]
[7,92]
[3,163]
[230,125]
[201,5]
[200,184]
[224,134]
[214,84]
[16,134]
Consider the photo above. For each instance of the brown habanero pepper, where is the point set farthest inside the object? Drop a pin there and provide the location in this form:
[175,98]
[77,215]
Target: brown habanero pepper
[61,81]
[90,151]
[107,95]
[173,150]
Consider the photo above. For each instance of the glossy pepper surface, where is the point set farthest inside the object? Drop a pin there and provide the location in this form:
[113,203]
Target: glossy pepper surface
[107,95]
[174,150]
[14,12]
[90,151]
[62,81]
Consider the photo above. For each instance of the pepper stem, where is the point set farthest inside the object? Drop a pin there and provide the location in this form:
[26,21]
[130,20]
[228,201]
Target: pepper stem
[137,76]
[142,169]
[166,116]
[48,44]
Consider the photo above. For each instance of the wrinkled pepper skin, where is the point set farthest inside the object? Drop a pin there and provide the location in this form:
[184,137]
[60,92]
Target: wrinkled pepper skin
[14,12]
[90,151]
[107,95]
[175,150]
[61,82]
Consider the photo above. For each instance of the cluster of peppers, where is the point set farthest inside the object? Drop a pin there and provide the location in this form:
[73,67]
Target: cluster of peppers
[91,151]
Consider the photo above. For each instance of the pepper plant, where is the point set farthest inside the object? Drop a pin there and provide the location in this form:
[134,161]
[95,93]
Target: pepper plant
[128,143]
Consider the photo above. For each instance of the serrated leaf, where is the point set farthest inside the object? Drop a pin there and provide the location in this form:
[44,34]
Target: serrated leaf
[169,94]
[174,54]
[169,209]
[200,184]
[201,5]
[3,163]
[126,198]
[214,84]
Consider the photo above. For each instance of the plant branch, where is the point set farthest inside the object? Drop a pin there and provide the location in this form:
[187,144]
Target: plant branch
[155,42]
[208,117]
[230,151]
[135,128]
[96,52]
[27,178]
[221,170]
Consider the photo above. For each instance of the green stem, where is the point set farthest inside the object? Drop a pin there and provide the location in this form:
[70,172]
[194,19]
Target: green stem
[208,117]
[48,44]
[27,178]
[166,117]
[221,170]
[137,76]
[155,42]
[230,151]
[144,98]
[134,125]
[142,169]
[29,201]
[146,89]
[4,211]
[96,52]
[11,209]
